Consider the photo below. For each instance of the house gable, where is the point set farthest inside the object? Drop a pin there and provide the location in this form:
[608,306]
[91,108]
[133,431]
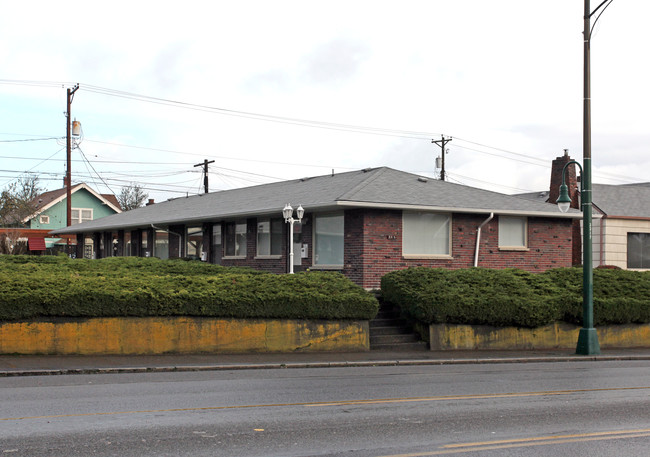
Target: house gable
[52,213]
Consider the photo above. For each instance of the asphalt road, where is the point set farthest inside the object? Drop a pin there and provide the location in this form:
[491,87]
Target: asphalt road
[523,409]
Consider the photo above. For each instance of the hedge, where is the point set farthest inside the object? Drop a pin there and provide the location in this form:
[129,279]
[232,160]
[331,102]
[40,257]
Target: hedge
[47,286]
[517,298]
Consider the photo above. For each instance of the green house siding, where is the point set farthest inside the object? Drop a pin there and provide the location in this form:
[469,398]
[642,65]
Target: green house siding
[58,212]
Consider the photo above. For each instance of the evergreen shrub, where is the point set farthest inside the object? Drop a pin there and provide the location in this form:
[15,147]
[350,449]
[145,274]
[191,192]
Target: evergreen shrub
[517,298]
[45,286]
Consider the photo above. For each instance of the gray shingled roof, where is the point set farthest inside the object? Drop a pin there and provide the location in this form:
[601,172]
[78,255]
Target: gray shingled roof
[631,200]
[626,200]
[376,187]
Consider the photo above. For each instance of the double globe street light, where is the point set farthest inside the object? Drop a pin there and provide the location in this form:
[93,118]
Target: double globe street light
[287,212]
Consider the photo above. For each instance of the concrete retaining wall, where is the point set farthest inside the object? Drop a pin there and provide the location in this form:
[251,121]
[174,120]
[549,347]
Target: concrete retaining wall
[554,336]
[159,335]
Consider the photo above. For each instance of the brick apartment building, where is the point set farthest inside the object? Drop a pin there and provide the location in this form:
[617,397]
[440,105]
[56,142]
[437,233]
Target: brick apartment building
[363,223]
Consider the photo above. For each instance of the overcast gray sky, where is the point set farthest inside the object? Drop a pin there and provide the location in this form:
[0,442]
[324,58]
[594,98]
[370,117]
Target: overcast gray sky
[288,89]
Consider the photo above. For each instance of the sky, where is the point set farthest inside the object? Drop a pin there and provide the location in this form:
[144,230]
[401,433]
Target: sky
[288,89]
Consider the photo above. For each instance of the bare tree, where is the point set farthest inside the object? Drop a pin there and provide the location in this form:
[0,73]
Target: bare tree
[18,201]
[132,196]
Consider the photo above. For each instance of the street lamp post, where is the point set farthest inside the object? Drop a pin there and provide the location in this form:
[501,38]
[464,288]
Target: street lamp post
[588,337]
[287,212]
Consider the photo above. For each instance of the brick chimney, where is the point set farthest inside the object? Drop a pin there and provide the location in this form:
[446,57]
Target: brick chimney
[570,179]
[554,192]
[150,202]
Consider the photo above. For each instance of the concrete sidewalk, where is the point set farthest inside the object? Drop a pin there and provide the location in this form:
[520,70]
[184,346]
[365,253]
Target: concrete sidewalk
[42,365]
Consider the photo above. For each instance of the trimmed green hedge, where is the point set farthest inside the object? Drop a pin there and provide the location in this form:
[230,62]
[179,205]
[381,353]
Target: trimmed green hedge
[516,298]
[46,286]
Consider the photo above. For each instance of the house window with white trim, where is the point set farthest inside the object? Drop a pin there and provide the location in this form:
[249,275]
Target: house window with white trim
[638,250]
[426,234]
[513,232]
[44,219]
[328,240]
[79,215]
[269,237]
[236,239]
[194,242]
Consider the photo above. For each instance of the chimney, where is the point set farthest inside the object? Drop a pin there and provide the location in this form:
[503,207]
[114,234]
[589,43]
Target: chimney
[570,179]
[150,202]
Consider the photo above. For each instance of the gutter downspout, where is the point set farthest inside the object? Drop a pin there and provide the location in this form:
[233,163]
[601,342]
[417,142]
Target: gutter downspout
[478,237]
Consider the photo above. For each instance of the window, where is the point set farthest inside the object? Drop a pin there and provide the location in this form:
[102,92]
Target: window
[161,245]
[80,215]
[236,239]
[216,244]
[512,232]
[127,243]
[269,237]
[638,250]
[425,234]
[194,242]
[328,240]
[44,219]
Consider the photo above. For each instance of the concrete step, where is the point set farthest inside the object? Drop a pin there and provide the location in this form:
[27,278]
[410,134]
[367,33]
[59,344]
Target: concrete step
[393,339]
[418,346]
[390,330]
[388,323]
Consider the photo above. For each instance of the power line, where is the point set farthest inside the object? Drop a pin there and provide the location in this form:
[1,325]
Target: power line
[279,119]
[30,139]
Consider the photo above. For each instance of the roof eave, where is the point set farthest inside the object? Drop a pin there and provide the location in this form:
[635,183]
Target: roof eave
[448,209]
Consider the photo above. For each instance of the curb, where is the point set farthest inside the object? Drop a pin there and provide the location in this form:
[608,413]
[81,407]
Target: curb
[275,366]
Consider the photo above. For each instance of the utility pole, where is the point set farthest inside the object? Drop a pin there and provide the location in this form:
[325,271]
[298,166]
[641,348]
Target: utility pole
[442,144]
[205,173]
[68,173]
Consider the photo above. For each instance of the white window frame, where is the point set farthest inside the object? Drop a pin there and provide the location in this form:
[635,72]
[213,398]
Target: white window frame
[267,242]
[44,219]
[316,241]
[414,221]
[79,219]
[240,227]
[505,226]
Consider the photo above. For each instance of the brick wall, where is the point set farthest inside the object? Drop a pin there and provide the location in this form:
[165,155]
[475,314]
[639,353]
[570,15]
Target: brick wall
[373,245]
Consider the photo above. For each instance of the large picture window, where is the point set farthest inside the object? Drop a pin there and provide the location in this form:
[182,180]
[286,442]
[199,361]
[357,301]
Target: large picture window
[328,242]
[236,239]
[269,237]
[638,250]
[512,232]
[425,234]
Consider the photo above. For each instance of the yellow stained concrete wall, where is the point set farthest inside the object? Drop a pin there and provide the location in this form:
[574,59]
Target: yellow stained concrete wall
[159,335]
[558,335]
